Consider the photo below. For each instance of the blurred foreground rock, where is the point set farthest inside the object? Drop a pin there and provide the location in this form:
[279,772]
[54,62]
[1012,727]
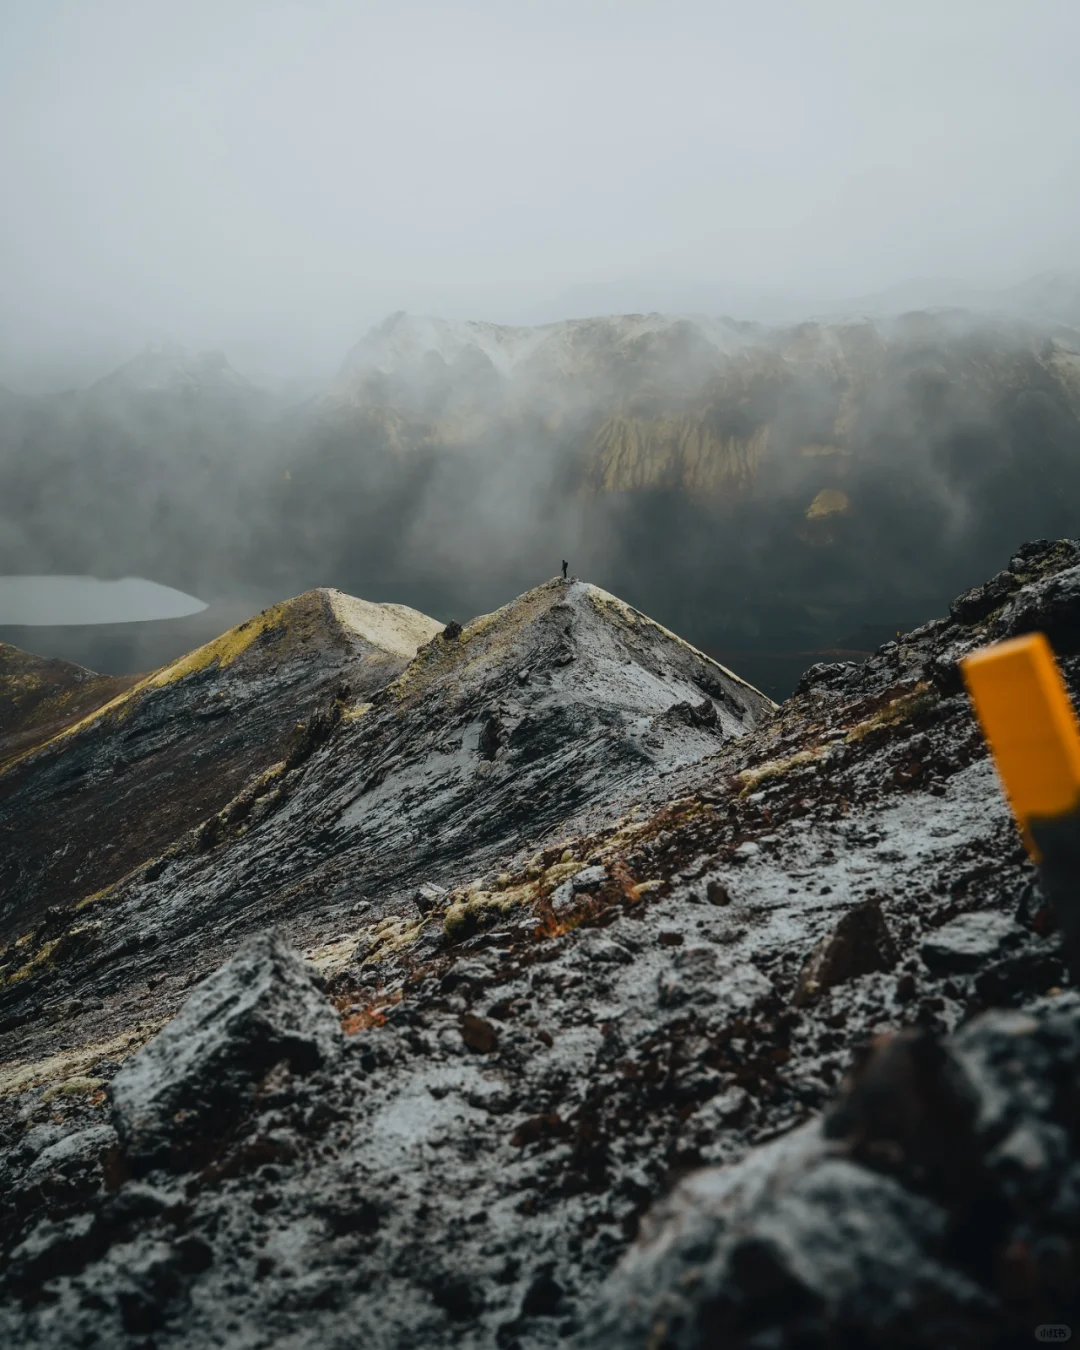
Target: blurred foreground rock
[939,1204]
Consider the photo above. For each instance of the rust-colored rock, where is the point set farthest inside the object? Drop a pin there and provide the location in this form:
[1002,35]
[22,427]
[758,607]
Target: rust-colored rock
[478,1034]
[859,943]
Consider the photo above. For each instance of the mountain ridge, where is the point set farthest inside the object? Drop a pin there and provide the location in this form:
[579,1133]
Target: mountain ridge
[677,400]
[170,368]
[754,487]
[167,750]
[472,1118]
[546,710]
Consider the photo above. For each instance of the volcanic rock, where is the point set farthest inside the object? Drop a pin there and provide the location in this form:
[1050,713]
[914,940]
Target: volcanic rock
[168,752]
[970,942]
[860,943]
[818,1239]
[886,1165]
[39,697]
[377,797]
[180,1094]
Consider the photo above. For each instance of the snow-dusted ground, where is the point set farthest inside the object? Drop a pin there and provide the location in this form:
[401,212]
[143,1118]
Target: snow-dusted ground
[515,1092]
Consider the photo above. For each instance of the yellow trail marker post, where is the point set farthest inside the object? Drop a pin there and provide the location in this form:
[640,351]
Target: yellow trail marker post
[1029,723]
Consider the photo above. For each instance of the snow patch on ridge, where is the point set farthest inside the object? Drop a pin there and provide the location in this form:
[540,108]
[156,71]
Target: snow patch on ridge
[393,628]
[597,593]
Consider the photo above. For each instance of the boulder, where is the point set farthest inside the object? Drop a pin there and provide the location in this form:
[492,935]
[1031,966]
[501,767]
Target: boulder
[185,1091]
[862,1233]
[860,943]
[971,942]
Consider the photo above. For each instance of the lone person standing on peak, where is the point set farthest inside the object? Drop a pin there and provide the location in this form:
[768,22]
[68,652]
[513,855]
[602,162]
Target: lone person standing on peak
[564,567]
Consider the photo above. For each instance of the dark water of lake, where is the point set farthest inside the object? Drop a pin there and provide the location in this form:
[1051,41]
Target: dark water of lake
[117,627]
[52,601]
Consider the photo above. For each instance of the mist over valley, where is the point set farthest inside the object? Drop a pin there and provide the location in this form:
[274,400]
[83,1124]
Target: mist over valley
[772,492]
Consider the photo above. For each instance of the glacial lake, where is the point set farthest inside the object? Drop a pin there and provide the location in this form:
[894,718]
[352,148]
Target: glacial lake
[56,601]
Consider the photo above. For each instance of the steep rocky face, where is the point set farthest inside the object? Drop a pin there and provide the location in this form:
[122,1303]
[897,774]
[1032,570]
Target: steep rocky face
[530,1067]
[94,786]
[710,407]
[759,488]
[492,736]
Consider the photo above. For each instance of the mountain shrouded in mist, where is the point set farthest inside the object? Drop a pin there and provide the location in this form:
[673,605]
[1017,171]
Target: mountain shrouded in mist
[755,487]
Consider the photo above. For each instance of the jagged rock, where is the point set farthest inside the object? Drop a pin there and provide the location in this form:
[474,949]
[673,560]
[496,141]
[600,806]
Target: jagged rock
[71,1153]
[492,735]
[860,943]
[982,600]
[565,896]
[776,1249]
[971,942]
[428,896]
[827,674]
[856,1235]
[1049,606]
[595,947]
[701,714]
[589,878]
[178,1096]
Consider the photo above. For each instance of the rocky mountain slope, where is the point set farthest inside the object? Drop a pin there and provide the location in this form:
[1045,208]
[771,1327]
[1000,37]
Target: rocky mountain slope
[39,697]
[458,1126]
[493,735]
[128,775]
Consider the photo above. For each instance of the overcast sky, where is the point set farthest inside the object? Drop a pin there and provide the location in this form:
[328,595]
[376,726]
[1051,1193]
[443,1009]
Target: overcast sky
[272,176]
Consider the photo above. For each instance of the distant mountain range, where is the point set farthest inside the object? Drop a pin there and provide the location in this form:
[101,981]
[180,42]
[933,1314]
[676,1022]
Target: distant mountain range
[1047,295]
[169,368]
[759,487]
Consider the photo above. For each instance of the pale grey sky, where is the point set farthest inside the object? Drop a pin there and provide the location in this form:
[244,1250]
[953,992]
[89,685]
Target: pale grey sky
[272,176]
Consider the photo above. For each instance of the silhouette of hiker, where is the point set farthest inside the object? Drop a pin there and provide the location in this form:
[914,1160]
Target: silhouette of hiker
[564,567]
